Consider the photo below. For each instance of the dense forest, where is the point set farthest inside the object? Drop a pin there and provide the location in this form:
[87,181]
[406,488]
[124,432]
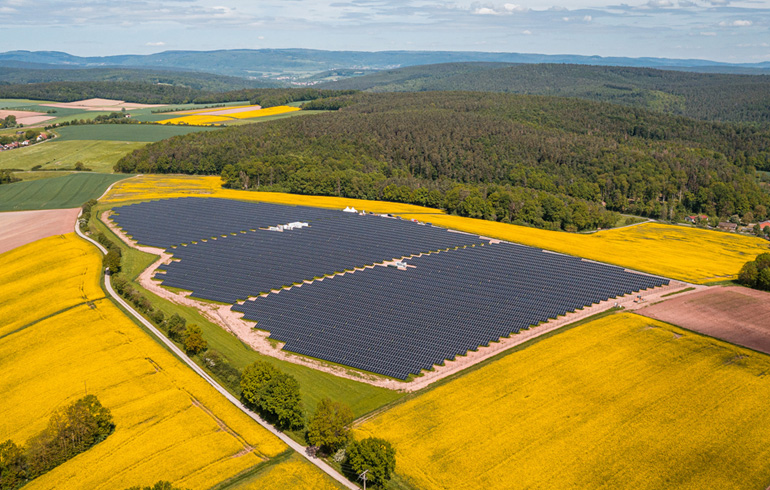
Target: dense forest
[547,161]
[713,97]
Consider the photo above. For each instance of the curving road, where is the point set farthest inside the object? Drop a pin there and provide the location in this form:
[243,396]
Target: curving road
[286,439]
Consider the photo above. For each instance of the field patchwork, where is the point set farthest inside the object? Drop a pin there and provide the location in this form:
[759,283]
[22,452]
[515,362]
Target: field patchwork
[226,114]
[170,424]
[69,191]
[619,402]
[99,156]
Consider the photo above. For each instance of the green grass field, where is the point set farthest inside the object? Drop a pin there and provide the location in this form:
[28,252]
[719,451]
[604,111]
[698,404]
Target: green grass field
[99,156]
[618,402]
[125,132]
[362,398]
[69,191]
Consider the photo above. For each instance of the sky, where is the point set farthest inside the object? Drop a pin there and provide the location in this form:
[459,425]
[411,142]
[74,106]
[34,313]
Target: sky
[721,30]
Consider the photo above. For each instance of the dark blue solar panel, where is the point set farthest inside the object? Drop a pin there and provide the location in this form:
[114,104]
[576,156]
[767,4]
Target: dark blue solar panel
[380,319]
[397,322]
[170,222]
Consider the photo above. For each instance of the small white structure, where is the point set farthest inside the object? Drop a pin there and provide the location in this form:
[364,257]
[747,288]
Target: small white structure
[349,209]
[294,225]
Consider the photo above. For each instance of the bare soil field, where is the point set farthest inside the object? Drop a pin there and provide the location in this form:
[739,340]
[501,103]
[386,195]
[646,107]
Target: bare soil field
[101,105]
[21,227]
[27,117]
[735,314]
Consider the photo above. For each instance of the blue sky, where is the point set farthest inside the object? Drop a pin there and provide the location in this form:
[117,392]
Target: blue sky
[722,30]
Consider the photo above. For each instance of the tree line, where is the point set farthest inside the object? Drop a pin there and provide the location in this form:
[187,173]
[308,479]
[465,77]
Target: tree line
[71,430]
[544,161]
[756,273]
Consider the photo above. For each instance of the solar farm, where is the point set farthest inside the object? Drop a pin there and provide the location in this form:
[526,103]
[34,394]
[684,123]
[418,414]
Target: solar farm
[379,294]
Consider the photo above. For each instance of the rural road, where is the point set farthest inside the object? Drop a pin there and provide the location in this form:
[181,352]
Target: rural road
[286,439]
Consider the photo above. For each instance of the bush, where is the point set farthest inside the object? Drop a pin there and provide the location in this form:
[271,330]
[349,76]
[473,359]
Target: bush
[218,365]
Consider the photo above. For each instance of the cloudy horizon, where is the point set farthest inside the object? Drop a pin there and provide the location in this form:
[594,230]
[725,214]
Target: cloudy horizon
[718,30]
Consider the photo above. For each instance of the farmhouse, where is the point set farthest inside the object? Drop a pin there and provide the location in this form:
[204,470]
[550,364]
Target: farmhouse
[696,218]
[763,224]
[724,225]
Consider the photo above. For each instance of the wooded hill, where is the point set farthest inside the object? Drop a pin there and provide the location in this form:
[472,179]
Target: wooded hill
[158,93]
[546,161]
[714,97]
[199,81]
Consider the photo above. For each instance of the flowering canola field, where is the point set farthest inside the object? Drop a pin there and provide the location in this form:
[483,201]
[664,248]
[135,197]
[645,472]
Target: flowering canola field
[294,473]
[225,114]
[680,252]
[620,402]
[36,283]
[170,424]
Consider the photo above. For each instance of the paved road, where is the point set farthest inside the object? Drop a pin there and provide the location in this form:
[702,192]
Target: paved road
[290,442]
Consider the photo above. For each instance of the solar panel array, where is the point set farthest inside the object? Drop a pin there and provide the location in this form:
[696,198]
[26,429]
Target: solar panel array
[384,320]
[170,222]
[247,264]
[395,322]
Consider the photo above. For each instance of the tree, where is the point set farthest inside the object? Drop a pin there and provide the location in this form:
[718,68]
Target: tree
[763,279]
[193,340]
[748,274]
[275,394]
[330,426]
[176,327]
[375,455]
[13,465]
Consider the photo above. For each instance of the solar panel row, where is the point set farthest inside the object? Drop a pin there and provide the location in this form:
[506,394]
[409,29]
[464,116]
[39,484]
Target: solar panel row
[396,322]
[170,222]
[382,320]
[236,267]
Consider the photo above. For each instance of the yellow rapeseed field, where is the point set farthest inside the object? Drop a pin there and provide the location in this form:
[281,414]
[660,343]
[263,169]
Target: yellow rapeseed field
[294,473]
[170,424]
[679,252]
[147,187]
[620,402]
[36,283]
[196,120]
[214,116]
[270,111]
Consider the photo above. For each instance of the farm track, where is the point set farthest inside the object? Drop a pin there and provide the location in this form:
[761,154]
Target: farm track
[304,451]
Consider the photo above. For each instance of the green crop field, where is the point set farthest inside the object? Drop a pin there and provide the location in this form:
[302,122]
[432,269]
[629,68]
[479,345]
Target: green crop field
[618,402]
[99,156]
[125,132]
[69,191]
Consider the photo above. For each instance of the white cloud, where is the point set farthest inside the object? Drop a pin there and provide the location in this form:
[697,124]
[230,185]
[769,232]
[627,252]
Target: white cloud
[159,43]
[485,11]
[736,23]
[660,4]
[708,33]
[527,32]
[511,7]
[587,18]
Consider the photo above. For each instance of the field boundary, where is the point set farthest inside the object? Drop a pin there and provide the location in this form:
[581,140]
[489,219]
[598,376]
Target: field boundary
[304,451]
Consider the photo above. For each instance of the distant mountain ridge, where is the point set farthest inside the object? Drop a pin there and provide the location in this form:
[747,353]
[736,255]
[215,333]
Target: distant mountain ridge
[304,62]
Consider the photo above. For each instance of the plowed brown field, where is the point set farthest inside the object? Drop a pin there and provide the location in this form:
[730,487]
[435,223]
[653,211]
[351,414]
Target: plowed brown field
[735,314]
